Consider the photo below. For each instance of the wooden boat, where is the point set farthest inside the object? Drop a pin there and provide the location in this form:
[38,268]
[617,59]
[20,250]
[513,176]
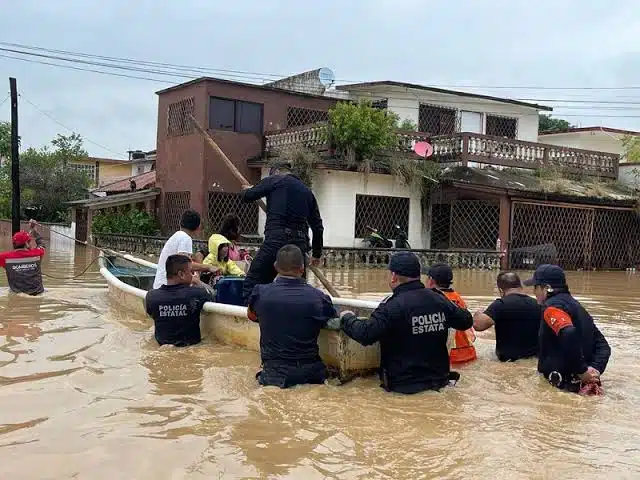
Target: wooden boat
[228,324]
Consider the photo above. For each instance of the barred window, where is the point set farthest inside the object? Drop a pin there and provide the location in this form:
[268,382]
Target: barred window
[222,204]
[297,117]
[436,120]
[467,224]
[382,213]
[502,126]
[88,169]
[440,226]
[381,104]
[175,203]
[178,118]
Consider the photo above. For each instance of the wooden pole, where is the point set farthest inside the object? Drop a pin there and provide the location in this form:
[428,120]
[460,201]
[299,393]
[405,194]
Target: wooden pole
[15,160]
[243,181]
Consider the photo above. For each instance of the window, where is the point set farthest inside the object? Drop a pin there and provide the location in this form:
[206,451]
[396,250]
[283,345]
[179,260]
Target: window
[382,213]
[381,104]
[436,120]
[235,115]
[223,203]
[502,126]
[297,117]
[178,118]
[88,170]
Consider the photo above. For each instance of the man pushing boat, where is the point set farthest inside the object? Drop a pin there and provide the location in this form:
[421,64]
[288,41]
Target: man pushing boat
[291,210]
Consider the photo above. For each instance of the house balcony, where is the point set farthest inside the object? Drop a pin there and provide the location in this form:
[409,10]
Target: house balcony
[466,149]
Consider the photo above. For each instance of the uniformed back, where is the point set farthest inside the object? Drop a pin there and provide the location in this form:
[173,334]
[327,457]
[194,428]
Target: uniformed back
[289,204]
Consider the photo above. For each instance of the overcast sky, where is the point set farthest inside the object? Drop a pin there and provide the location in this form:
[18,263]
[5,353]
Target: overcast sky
[559,43]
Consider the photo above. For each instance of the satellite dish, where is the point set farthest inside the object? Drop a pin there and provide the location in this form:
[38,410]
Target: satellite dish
[326,77]
[423,149]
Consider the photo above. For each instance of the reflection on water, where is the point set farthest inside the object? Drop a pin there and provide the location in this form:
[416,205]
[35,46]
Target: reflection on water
[85,392]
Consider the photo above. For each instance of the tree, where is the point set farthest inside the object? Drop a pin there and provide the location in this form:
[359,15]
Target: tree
[5,139]
[548,124]
[631,145]
[46,180]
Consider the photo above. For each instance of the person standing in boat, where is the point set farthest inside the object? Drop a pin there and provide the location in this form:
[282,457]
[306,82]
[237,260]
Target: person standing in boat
[291,210]
[412,326]
[23,265]
[291,314]
[461,349]
[573,352]
[175,307]
[181,242]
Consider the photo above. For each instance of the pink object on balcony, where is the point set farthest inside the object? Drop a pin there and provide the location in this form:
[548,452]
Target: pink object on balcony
[424,149]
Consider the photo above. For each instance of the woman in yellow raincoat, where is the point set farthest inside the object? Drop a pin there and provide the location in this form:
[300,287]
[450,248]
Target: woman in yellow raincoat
[219,256]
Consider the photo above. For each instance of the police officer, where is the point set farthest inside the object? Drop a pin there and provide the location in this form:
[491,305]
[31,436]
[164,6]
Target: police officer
[573,352]
[291,210]
[412,326]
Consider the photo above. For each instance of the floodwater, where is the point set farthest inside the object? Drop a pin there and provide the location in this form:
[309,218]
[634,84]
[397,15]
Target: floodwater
[85,393]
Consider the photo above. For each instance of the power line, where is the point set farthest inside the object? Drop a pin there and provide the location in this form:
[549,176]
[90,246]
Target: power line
[248,74]
[50,117]
[5,99]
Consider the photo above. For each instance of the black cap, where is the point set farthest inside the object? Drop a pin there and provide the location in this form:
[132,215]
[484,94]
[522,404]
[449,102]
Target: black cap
[406,264]
[283,165]
[441,273]
[551,275]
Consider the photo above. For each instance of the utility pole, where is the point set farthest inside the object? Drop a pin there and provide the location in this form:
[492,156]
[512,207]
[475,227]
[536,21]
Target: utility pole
[15,160]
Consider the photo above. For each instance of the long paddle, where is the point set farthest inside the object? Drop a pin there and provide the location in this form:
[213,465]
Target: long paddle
[243,181]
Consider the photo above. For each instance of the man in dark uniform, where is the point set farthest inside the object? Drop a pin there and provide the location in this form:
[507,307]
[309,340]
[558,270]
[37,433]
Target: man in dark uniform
[573,352]
[291,210]
[412,326]
[291,314]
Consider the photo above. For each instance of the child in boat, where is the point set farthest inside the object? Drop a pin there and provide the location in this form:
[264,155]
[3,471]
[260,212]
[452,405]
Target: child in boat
[218,257]
[460,342]
[230,229]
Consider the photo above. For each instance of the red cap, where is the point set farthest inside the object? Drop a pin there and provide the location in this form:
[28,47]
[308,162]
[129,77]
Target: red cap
[20,239]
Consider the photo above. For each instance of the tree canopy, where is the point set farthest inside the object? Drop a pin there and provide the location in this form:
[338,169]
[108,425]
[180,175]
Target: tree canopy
[548,124]
[47,181]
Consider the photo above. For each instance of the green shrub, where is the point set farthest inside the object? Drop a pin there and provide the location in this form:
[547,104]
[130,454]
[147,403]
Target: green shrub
[131,222]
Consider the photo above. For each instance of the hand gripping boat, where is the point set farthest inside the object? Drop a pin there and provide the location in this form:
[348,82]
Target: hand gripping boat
[129,278]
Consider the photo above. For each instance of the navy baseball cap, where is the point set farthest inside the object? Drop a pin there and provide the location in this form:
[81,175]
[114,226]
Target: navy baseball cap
[279,166]
[441,273]
[551,275]
[406,264]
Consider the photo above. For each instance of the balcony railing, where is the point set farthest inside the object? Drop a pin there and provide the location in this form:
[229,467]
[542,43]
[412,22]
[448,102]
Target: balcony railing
[465,148]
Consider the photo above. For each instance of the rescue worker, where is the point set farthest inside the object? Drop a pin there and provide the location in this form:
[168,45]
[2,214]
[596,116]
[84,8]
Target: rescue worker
[516,317]
[175,307]
[461,349]
[412,326]
[573,352]
[291,210]
[33,233]
[23,265]
[291,314]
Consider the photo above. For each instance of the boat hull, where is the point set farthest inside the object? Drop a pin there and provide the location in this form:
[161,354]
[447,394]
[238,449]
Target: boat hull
[229,325]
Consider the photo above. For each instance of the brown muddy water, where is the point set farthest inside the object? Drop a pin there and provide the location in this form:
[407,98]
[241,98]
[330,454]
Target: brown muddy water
[85,393]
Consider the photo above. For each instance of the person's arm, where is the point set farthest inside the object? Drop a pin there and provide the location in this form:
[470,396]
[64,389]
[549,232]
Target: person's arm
[458,318]
[328,309]
[317,230]
[147,307]
[485,320]
[234,269]
[561,325]
[367,331]
[601,351]
[253,299]
[261,189]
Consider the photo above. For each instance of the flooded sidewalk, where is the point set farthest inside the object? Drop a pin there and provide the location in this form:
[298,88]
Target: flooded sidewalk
[85,392]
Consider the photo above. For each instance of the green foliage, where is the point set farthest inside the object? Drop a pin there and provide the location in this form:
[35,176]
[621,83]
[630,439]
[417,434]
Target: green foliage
[302,161]
[360,133]
[46,181]
[631,145]
[5,139]
[548,124]
[407,125]
[131,222]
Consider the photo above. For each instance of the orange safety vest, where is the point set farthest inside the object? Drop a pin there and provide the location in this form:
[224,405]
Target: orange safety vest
[463,349]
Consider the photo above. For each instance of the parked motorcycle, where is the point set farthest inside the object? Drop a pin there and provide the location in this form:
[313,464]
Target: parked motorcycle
[402,239]
[375,240]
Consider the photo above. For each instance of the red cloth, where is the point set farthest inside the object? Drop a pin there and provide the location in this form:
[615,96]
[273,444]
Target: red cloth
[588,389]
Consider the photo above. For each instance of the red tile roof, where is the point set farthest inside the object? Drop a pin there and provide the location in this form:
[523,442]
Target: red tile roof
[145,180]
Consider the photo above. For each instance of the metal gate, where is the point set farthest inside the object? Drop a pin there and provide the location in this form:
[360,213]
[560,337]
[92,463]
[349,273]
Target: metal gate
[574,237]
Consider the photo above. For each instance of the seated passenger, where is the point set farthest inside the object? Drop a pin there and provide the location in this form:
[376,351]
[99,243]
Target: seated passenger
[291,314]
[516,317]
[412,326]
[218,257]
[460,343]
[175,307]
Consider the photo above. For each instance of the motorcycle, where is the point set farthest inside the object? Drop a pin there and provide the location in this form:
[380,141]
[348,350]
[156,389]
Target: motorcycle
[376,240]
[402,239]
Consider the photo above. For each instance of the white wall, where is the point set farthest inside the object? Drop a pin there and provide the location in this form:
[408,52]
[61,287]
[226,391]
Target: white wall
[336,192]
[592,140]
[405,102]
